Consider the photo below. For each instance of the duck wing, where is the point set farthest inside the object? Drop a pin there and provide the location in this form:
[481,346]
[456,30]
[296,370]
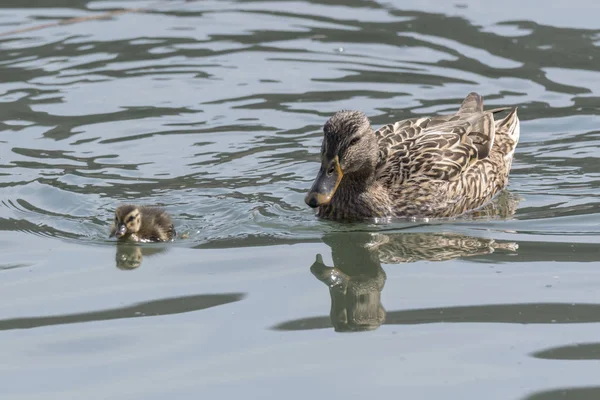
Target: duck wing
[439,148]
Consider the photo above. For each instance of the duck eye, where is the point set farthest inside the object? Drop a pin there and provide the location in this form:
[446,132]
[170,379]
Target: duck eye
[354,140]
[130,219]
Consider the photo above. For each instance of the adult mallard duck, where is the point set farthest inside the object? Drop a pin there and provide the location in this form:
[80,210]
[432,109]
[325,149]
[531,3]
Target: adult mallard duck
[142,224]
[429,167]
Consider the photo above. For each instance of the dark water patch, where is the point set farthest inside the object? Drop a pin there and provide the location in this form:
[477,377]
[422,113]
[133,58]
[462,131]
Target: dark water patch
[538,313]
[170,306]
[579,351]
[586,393]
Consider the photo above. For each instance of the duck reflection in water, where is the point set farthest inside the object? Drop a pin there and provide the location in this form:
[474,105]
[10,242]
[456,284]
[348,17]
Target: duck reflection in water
[129,255]
[355,282]
[357,279]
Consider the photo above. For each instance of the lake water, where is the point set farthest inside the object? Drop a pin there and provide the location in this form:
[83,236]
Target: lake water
[214,110]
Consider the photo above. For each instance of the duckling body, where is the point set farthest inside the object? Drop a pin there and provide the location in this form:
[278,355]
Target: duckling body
[142,224]
[431,167]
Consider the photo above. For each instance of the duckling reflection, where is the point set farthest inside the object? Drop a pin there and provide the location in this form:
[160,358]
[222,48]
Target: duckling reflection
[129,255]
[357,278]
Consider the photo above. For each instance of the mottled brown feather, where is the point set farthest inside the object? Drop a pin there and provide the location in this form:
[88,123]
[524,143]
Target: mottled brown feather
[439,166]
[156,225]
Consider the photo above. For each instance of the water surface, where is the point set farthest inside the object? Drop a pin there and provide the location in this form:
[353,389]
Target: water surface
[213,109]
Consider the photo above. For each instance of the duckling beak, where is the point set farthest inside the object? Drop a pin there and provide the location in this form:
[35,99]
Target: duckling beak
[121,230]
[325,185]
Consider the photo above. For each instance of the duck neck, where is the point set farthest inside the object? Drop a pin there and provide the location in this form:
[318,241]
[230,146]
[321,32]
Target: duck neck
[355,183]
[351,199]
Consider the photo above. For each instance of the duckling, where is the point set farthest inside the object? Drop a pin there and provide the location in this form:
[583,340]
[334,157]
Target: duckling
[142,224]
[430,167]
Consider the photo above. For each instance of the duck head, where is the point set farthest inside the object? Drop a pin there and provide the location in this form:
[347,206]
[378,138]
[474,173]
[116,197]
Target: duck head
[349,146]
[128,221]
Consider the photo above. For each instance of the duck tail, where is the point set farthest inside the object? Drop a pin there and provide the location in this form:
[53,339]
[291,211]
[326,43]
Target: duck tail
[497,110]
[471,104]
[510,124]
[508,131]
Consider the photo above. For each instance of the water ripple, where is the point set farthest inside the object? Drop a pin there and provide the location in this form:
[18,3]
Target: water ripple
[197,107]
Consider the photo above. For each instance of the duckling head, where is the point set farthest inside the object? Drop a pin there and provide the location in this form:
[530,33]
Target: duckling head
[349,147]
[128,221]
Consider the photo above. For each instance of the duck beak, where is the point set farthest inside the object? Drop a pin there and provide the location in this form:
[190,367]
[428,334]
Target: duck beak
[121,230]
[325,184]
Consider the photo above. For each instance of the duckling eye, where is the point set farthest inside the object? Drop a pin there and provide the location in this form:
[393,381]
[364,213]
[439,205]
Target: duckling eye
[354,140]
[130,219]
